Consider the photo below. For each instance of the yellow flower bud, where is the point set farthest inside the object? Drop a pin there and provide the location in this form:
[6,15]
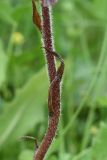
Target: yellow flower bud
[17,38]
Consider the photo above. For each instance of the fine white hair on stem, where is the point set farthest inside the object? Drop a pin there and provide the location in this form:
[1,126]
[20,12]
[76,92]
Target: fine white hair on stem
[47,3]
[51,28]
[51,22]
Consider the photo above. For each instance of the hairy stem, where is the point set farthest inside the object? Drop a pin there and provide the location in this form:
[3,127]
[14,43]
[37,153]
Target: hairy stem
[48,41]
[54,90]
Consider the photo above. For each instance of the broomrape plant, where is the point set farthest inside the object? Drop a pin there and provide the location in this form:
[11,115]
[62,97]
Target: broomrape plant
[43,23]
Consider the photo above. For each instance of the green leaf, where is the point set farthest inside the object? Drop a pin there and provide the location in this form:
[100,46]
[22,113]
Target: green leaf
[22,9]
[101,8]
[6,12]
[102,101]
[66,156]
[85,155]
[25,111]
[26,155]
[99,148]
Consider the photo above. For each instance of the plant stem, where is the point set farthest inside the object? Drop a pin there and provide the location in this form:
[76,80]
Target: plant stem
[54,90]
[48,41]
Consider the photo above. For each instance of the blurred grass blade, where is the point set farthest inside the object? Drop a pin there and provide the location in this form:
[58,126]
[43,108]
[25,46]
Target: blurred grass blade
[3,64]
[6,12]
[98,151]
[85,155]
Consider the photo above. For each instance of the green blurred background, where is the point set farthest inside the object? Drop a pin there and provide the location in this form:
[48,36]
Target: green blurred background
[80,32]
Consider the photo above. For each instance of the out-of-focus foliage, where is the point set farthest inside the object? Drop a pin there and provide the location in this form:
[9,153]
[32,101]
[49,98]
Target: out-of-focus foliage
[80,32]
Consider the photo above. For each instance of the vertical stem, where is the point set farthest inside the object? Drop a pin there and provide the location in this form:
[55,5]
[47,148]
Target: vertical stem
[52,127]
[48,41]
[54,90]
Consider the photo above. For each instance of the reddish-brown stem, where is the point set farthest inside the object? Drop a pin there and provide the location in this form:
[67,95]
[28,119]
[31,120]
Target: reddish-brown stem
[48,41]
[52,126]
[54,90]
